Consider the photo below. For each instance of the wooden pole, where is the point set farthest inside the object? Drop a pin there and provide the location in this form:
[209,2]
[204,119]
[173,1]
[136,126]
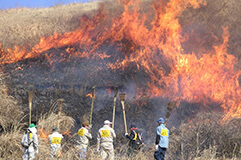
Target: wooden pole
[170,106]
[92,106]
[122,99]
[60,103]
[115,97]
[30,99]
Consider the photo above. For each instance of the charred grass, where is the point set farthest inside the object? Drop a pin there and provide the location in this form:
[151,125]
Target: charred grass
[207,136]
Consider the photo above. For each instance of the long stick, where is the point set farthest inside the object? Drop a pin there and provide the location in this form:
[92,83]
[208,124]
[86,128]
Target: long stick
[92,106]
[122,98]
[124,115]
[60,102]
[115,97]
[30,99]
[170,106]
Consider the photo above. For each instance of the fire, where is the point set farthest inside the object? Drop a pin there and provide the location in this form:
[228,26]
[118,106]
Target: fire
[43,135]
[156,49]
[19,68]
[68,133]
[89,95]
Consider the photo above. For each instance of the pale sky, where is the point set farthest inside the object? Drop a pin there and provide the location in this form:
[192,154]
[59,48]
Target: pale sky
[6,4]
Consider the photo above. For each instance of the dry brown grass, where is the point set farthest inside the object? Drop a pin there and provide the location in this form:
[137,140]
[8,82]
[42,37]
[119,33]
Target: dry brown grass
[24,25]
[203,138]
[10,146]
[207,135]
[49,121]
[71,152]
[201,141]
[10,112]
[10,124]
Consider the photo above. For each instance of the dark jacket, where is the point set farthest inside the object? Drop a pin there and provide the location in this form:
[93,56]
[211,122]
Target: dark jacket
[133,139]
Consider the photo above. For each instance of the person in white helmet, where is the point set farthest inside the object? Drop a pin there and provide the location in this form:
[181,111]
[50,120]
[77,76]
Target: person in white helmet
[30,142]
[84,137]
[105,138]
[55,143]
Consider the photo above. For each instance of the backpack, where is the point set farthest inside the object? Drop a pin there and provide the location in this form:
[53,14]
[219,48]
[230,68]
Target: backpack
[24,141]
[26,138]
[139,141]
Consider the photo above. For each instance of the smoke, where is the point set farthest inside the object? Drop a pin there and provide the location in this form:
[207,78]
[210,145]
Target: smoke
[105,60]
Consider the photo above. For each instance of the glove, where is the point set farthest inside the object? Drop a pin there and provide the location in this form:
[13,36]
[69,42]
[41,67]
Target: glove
[126,134]
[156,148]
[36,152]
[59,154]
[98,149]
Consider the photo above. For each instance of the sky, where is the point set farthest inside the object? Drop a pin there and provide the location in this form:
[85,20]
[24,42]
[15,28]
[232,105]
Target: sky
[6,4]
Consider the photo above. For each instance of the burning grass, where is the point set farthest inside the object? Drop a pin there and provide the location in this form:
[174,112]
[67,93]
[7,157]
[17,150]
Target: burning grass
[49,121]
[25,25]
[153,56]
[202,137]
[169,70]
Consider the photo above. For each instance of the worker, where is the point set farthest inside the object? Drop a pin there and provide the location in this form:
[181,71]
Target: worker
[30,142]
[135,140]
[55,143]
[84,137]
[105,138]
[162,136]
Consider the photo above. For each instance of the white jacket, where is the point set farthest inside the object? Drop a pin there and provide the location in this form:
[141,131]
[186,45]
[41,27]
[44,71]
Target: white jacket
[55,141]
[84,137]
[105,137]
[31,139]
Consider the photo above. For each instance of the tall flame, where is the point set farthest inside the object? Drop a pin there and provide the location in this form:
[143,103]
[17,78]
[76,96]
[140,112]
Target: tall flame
[157,49]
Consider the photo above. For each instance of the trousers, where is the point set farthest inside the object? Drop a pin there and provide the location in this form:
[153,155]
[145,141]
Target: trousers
[28,155]
[160,154]
[107,153]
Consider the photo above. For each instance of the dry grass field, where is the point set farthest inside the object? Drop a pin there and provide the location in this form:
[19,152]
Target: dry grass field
[26,26]
[205,137]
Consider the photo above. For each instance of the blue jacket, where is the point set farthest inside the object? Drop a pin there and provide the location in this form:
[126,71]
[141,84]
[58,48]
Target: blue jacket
[162,136]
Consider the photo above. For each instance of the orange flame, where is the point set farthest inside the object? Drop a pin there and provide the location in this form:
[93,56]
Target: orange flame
[68,133]
[89,95]
[43,135]
[208,77]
